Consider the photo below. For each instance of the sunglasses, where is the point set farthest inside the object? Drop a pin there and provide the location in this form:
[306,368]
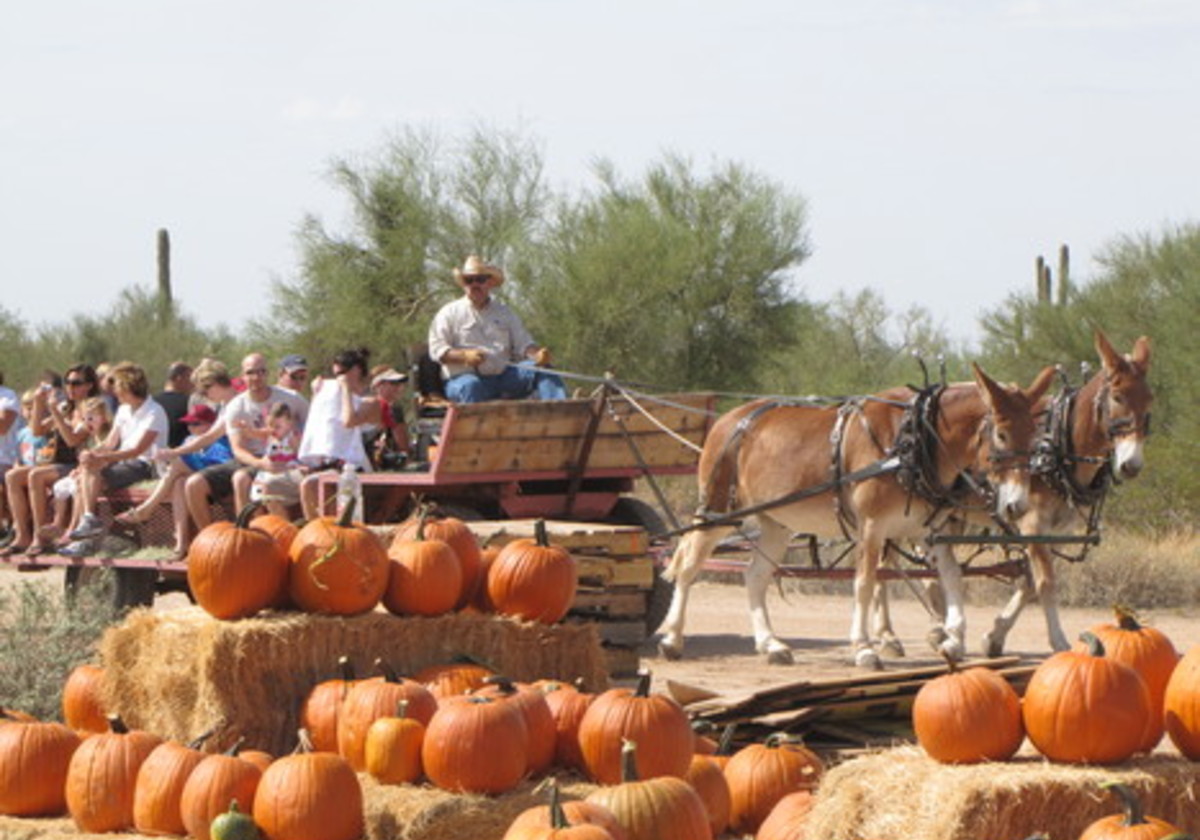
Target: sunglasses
[298,374]
[474,279]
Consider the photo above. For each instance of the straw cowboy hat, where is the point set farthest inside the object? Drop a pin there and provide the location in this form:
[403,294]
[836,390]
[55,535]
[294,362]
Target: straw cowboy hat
[475,267]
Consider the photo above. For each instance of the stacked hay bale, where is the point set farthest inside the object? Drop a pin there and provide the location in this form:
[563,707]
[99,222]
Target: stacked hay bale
[902,792]
[181,672]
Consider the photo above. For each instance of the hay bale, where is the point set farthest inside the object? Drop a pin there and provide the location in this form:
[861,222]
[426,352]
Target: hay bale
[421,812]
[903,793]
[178,673]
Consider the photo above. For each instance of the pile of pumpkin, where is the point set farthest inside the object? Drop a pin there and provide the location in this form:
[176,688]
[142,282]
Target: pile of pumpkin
[461,729]
[1109,698]
[341,567]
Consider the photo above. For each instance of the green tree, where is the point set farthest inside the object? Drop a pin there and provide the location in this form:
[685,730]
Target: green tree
[417,209]
[677,279]
[854,345]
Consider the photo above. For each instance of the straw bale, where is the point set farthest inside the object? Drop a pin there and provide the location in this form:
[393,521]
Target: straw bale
[181,672]
[52,828]
[902,792]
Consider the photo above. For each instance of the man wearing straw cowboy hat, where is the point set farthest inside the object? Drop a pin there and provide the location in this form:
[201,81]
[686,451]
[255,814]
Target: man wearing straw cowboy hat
[484,350]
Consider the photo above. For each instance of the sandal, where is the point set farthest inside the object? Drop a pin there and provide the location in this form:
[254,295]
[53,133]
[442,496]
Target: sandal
[133,516]
[11,550]
[34,550]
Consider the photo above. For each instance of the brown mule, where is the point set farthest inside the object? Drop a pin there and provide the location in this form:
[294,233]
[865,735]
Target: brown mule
[761,453]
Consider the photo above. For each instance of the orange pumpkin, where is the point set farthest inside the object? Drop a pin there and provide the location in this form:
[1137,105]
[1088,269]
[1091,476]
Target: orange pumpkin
[1131,824]
[369,700]
[309,794]
[159,786]
[321,708]
[217,781]
[654,721]
[533,580]
[455,533]
[476,744]
[663,808]
[1082,707]
[392,751]
[82,706]
[479,600]
[577,812]
[102,776]
[787,819]
[567,705]
[235,570]
[337,567]
[425,576]
[259,758]
[968,716]
[557,826]
[14,716]
[1147,651]
[1181,705]
[759,775]
[283,531]
[34,758]
[707,777]
[539,722]
[461,676]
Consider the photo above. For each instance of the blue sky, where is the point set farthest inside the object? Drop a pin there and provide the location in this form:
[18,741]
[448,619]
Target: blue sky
[941,146]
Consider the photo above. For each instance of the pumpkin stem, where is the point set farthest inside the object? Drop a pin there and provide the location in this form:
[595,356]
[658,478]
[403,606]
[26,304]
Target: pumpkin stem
[246,514]
[558,818]
[1095,647]
[539,533]
[1135,814]
[1127,618]
[388,672]
[643,684]
[236,746]
[951,662]
[725,744]
[629,771]
[505,684]
[115,724]
[197,742]
[304,742]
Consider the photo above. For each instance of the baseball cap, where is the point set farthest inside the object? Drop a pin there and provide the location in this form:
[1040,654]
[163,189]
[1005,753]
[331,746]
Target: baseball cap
[389,375]
[200,413]
[293,361]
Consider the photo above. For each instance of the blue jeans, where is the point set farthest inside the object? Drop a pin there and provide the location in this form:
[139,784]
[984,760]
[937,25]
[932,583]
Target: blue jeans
[517,382]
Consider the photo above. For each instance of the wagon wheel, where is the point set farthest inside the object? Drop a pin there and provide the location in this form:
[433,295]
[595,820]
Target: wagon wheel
[630,511]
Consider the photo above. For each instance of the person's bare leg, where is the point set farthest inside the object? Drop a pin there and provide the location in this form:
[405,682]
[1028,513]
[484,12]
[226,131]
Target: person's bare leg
[16,489]
[196,490]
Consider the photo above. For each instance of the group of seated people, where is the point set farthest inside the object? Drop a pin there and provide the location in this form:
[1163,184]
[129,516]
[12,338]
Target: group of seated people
[208,435]
[211,434]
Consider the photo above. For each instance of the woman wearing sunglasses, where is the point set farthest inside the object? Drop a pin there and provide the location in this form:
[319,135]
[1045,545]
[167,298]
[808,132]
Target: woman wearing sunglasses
[28,488]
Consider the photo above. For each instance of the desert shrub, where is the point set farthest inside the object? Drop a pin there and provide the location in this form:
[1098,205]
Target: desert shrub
[43,635]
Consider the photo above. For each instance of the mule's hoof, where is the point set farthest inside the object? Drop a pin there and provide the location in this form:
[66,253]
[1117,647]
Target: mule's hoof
[892,649]
[936,637]
[780,657]
[953,649]
[992,647]
[671,653]
[868,659]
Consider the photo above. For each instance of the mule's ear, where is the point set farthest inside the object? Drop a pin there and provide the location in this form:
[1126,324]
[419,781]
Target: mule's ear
[1042,384]
[1109,357]
[989,389]
[1141,353]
